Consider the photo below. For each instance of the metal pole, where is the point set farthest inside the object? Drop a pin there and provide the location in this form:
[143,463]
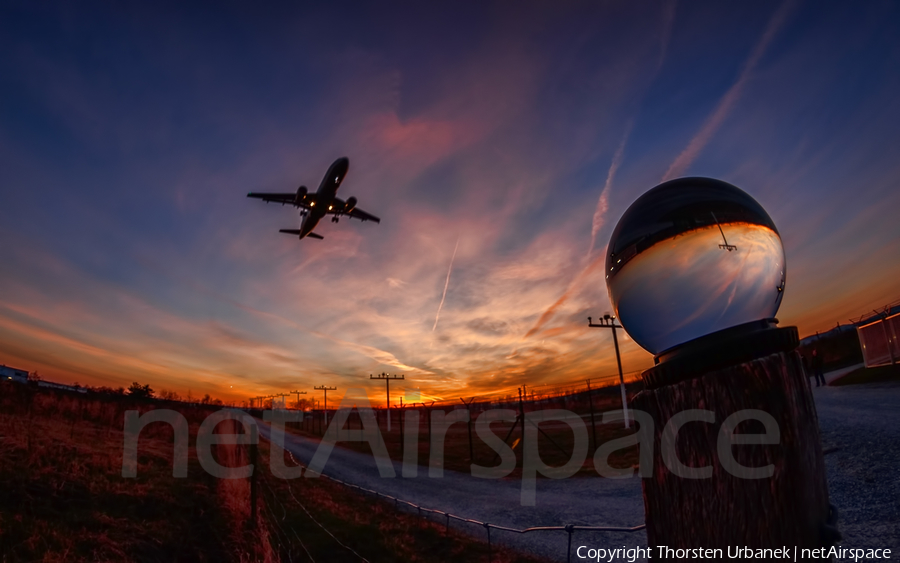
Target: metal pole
[610,322]
[522,418]
[593,424]
[326,389]
[621,377]
[428,416]
[469,424]
[387,380]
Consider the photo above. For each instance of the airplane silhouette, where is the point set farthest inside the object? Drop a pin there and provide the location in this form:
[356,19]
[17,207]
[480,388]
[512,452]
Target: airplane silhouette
[315,206]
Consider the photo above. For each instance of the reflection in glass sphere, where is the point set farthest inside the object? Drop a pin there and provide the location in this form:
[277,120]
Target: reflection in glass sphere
[690,257]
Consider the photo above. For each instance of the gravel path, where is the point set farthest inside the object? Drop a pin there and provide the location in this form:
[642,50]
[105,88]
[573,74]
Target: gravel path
[861,422]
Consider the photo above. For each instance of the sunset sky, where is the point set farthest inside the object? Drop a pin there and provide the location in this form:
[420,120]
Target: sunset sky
[498,142]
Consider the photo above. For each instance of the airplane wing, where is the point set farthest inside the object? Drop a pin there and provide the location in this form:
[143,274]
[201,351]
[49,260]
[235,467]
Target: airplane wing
[339,207]
[297,200]
[357,213]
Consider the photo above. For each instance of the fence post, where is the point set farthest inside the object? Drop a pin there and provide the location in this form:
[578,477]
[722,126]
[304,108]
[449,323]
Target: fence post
[490,554]
[254,493]
[569,548]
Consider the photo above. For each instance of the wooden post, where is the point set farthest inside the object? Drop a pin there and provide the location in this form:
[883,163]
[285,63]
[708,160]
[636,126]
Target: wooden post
[789,508]
[254,493]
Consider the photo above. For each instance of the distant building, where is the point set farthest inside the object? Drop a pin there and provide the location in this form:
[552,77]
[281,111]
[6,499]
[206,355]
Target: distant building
[12,374]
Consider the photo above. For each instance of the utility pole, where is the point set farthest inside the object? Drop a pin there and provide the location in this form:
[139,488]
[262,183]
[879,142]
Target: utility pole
[402,424]
[282,395]
[387,381]
[325,404]
[522,421]
[298,395]
[610,322]
[593,424]
[469,424]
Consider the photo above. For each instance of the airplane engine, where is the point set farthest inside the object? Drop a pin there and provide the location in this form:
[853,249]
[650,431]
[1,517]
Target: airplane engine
[351,203]
[301,193]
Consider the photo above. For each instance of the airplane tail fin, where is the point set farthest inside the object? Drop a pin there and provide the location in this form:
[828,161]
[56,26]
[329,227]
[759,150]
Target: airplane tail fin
[314,235]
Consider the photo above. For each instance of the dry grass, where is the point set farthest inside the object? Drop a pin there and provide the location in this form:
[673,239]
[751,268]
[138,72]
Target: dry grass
[249,540]
[63,497]
[371,527]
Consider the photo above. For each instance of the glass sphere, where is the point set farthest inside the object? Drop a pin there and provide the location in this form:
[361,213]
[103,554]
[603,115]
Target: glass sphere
[691,257]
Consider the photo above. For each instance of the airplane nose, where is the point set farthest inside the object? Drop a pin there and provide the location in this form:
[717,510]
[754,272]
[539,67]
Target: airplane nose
[340,168]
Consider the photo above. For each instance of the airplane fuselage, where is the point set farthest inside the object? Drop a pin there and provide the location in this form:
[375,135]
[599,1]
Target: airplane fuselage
[324,195]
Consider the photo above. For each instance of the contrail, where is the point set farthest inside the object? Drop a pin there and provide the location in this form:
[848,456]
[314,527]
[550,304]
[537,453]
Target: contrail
[668,21]
[715,120]
[573,286]
[446,284]
[603,202]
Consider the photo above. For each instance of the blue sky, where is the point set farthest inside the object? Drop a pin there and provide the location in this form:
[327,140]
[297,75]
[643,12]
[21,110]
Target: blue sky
[515,134]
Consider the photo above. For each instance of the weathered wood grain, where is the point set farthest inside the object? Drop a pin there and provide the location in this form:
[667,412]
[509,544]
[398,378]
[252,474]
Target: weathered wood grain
[787,508]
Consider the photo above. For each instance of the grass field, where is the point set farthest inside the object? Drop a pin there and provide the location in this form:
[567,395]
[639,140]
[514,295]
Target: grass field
[64,499]
[555,443]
